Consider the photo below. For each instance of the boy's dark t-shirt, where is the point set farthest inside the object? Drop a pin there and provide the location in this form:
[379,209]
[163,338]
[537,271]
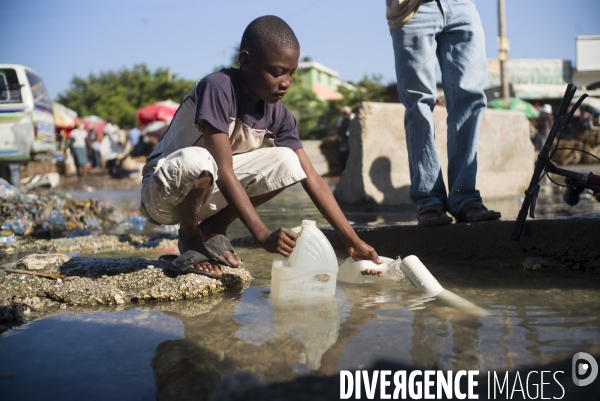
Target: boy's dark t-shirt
[219,99]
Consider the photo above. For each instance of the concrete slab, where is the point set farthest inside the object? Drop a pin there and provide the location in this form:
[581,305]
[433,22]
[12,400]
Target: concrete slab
[377,172]
[569,241]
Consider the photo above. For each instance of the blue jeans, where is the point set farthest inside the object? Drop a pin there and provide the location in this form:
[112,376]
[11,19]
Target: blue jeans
[451,32]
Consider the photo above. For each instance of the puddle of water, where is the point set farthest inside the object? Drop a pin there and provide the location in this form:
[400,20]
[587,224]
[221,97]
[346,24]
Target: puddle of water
[533,320]
[93,356]
[141,352]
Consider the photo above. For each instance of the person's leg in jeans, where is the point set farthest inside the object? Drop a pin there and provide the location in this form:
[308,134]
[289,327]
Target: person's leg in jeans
[415,59]
[461,53]
[462,57]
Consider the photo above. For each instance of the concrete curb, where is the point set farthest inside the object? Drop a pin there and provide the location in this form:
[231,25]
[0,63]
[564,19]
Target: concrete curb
[572,239]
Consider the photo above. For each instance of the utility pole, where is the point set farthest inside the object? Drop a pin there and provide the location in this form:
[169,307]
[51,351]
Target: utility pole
[503,47]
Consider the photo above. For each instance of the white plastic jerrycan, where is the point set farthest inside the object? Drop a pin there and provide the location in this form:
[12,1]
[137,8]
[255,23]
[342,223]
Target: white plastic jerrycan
[311,269]
[350,271]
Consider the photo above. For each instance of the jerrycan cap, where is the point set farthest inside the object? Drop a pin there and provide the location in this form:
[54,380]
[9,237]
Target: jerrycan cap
[309,223]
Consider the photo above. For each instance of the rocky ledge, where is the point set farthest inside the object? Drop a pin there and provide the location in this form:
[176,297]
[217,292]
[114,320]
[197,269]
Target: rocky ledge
[40,283]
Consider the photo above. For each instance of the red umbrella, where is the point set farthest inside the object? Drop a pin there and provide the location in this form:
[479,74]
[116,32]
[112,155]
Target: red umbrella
[160,111]
[94,121]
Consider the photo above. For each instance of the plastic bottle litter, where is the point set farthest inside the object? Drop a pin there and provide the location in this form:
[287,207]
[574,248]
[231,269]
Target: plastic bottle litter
[91,223]
[311,269]
[6,238]
[16,226]
[350,271]
[56,219]
[137,222]
[8,191]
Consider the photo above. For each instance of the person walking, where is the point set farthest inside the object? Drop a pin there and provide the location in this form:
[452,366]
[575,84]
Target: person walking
[343,127]
[111,146]
[94,146]
[543,124]
[450,32]
[79,149]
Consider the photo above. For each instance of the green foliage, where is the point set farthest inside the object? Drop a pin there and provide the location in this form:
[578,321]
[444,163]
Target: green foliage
[369,89]
[122,93]
[310,110]
[318,117]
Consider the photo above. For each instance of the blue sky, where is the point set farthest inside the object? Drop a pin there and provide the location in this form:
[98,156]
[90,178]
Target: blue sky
[61,38]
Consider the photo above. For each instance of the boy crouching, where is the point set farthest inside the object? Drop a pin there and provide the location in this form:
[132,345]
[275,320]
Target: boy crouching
[210,168]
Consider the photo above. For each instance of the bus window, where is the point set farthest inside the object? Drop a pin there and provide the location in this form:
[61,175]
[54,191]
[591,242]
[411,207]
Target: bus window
[40,96]
[10,89]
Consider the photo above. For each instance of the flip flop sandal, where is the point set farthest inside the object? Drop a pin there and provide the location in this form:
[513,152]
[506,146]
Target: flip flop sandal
[483,214]
[216,246]
[433,215]
[182,264]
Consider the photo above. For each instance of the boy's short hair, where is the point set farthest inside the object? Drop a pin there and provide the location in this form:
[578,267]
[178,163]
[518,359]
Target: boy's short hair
[268,33]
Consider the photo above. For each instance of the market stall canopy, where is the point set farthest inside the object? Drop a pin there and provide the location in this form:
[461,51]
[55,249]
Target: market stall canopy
[64,117]
[159,111]
[516,104]
[94,121]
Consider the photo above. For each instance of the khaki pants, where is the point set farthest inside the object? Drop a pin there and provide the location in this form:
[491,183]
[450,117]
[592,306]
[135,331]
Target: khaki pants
[260,171]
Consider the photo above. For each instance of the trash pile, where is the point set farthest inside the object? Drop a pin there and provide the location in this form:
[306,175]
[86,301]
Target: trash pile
[50,214]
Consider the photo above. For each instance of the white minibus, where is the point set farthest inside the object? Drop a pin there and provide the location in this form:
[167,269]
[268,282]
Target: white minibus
[26,118]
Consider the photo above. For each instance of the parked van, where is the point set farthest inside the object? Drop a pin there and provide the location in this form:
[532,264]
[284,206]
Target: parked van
[26,118]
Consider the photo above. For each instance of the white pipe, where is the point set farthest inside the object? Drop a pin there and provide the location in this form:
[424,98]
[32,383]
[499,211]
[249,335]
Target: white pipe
[421,278]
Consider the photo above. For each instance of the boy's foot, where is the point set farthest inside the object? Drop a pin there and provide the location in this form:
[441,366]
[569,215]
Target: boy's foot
[186,262]
[473,211]
[218,244]
[193,242]
[433,215]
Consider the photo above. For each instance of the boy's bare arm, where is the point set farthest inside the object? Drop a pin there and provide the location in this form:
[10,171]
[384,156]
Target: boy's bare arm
[322,197]
[281,241]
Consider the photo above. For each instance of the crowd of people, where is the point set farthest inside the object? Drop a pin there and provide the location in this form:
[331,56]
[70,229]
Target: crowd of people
[113,149]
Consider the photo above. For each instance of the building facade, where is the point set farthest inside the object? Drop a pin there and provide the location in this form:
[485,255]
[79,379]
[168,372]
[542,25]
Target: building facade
[321,80]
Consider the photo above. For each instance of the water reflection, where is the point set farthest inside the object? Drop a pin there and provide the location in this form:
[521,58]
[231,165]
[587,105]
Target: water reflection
[315,325]
[531,320]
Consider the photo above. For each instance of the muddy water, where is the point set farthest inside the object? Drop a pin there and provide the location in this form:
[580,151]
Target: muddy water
[186,347]
[180,350]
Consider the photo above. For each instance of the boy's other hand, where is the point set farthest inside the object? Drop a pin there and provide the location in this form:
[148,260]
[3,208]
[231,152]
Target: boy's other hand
[363,251]
[280,241]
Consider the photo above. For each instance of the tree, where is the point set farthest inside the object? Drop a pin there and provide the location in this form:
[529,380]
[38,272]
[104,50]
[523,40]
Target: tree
[122,93]
[369,89]
[308,109]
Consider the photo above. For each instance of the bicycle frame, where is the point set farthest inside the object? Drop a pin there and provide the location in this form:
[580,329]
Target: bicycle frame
[577,182]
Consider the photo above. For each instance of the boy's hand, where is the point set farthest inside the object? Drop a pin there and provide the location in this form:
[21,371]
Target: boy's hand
[280,241]
[362,251]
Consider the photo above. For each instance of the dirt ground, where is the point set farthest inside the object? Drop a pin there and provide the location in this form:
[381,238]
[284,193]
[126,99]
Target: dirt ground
[96,178]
